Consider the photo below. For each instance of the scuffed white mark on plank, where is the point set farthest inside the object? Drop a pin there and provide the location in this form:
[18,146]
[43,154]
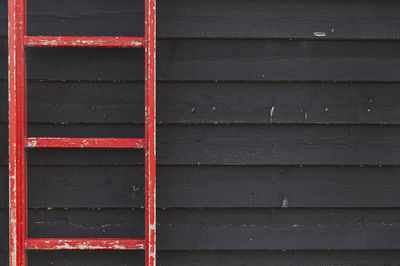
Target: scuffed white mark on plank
[319,34]
[285,203]
[271,113]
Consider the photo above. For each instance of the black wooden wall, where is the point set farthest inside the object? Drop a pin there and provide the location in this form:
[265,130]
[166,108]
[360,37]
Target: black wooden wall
[278,133]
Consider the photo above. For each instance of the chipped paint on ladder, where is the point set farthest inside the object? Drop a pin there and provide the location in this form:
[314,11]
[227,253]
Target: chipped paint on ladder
[84,244]
[150,122]
[83,41]
[17,131]
[115,143]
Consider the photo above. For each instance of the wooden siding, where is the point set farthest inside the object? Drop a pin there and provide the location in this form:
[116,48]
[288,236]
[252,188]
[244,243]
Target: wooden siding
[278,131]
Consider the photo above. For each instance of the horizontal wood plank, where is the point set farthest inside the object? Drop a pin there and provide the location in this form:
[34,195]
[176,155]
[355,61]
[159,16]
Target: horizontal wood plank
[229,229]
[277,258]
[216,19]
[210,187]
[229,102]
[212,258]
[86,258]
[227,145]
[279,19]
[223,102]
[199,60]
[86,223]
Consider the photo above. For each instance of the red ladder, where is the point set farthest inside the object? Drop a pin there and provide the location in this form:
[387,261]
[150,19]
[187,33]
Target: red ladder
[18,140]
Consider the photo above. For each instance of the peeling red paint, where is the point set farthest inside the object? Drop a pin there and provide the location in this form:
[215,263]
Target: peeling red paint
[150,122]
[83,41]
[84,244]
[115,143]
[17,131]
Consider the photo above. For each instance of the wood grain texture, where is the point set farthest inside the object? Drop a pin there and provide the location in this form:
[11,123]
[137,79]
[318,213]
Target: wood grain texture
[279,258]
[255,60]
[215,258]
[279,130]
[199,60]
[228,145]
[87,258]
[86,223]
[210,187]
[204,102]
[265,102]
[216,19]
[229,229]
[279,19]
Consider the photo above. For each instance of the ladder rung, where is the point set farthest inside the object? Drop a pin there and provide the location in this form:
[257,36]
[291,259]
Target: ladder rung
[116,143]
[84,244]
[83,41]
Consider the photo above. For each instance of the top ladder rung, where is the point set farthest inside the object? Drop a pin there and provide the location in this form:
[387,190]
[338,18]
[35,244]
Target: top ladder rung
[83,41]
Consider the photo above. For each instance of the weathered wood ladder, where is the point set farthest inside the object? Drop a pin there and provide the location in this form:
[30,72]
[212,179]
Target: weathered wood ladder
[19,141]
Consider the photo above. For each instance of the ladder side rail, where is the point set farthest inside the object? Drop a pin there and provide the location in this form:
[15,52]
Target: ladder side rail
[17,132]
[150,136]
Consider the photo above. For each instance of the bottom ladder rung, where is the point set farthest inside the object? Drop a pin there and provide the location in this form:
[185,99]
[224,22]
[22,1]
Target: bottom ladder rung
[84,244]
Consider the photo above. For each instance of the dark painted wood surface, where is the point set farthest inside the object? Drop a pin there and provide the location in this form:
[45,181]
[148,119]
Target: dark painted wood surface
[229,229]
[215,258]
[229,145]
[271,136]
[217,186]
[211,186]
[218,19]
[236,258]
[252,60]
[204,102]
[199,60]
